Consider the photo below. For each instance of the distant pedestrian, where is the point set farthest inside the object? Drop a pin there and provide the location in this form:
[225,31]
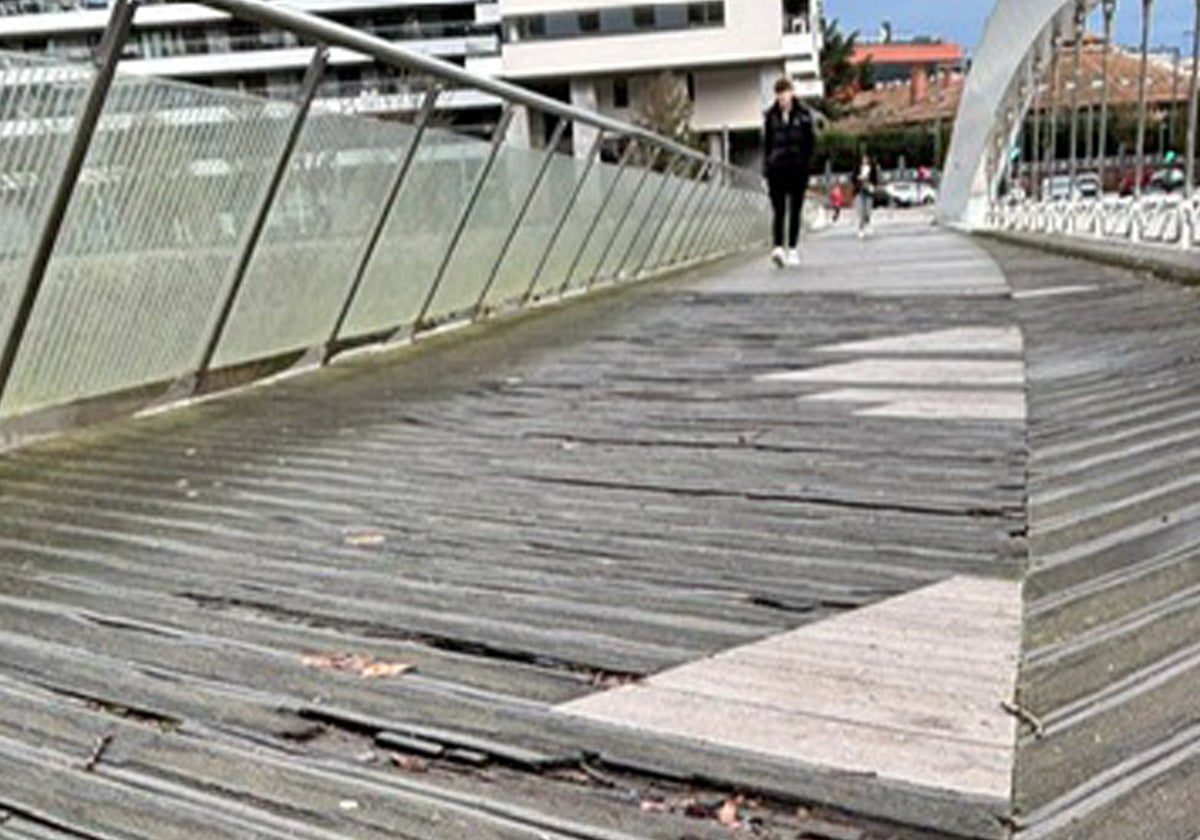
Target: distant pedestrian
[837,200]
[788,139]
[866,185]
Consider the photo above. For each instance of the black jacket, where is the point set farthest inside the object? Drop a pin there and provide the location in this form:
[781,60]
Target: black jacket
[788,140]
[872,181]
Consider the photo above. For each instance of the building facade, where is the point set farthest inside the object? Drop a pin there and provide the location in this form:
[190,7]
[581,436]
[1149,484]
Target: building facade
[598,54]
[609,55]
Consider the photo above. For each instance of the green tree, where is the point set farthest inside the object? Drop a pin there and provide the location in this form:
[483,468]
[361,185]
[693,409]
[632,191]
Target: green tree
[664,107]
[842,77]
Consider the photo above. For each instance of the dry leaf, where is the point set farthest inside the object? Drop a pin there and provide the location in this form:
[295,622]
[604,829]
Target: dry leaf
[410,763]
[364,666]
[366,539]
[378,670]
[730,813]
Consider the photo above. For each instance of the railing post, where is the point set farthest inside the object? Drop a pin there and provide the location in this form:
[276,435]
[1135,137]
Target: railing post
[1080,20]
[1143,105]
[637,191]
[645,220]
[1035,156]
[120,21]
[1055,64]
[250,240]
[716,215]
[464,217]
[568,207]
[1110,9]
[543,168]
[428,104]
[703,192]
[604,202]
[1193,132]
[662,222]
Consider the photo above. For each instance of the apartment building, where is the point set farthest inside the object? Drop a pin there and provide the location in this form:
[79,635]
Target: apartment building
[597,54]
[603,54]
[197,44]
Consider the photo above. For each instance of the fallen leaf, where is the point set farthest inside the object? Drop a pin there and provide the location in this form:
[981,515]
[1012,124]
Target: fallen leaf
[729,814]
[366,539]
[410,763]
[364,666]
[379,670]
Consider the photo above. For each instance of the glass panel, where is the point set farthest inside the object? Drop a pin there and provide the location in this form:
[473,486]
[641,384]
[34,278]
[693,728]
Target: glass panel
[677,194]
[38,104]
[300,274]
[645,186]
[496,209]
[169,184]
[417,233]
[606,227]
[525,253]
[575,228]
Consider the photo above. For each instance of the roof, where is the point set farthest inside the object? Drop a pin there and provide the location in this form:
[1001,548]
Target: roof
[909,53]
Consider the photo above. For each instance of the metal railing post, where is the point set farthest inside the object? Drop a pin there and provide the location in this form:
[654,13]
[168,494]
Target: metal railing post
[543,168]
[1035,156]
[120,22]
[695,187]
[464,217]
[1143,105]
[642,224]
[604,202]
[428,105]
[703,192]
[616,234]
[662,222]
[568,207]
[717,215]
[1080,20]
[253,234]
[1055,65]
[1193,130]
[1110,9]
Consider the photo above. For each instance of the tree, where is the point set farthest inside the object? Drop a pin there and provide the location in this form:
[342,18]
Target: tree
[841,76]
[664,107]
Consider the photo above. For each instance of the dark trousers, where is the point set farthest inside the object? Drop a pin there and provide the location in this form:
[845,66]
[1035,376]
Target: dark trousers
[787,201]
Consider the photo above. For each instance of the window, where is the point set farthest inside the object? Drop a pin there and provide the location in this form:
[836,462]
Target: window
[617,20]
[620,92]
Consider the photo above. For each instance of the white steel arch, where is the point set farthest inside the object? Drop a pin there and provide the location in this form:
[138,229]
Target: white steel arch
[997,95]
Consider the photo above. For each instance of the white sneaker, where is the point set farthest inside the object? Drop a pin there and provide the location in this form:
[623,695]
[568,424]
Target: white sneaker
[862,234]
[779,257]
[793,258]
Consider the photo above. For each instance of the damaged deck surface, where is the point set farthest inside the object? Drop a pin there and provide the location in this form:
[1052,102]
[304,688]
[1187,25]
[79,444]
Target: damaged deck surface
[357,603]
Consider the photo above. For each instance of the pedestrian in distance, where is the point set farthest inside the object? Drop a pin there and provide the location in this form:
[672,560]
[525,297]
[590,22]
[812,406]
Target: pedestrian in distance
[866,185]
[837,200]
[788,140]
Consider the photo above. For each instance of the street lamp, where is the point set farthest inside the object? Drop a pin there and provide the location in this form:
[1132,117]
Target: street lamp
[1193,107]
[1110,10]
[1140,168]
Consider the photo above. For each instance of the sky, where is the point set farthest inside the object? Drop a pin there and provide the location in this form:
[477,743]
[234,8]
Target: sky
[962,20]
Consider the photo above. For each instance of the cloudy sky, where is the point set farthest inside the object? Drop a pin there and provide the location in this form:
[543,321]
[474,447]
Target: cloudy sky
[962,20]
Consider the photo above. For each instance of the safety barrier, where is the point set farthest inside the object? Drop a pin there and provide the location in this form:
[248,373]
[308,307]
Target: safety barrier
[155,234]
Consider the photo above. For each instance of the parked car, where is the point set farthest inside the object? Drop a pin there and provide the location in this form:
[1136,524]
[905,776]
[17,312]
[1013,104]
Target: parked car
[908,194]
[1169,179]
[1061,188]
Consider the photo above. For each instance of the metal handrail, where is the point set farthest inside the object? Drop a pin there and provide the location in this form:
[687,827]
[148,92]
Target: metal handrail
[330,33]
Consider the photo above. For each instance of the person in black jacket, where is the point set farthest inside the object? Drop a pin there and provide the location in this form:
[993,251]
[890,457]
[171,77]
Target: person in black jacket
[866,185]
[788,140]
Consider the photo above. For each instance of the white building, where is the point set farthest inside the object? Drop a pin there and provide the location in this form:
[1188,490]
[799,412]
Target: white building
[600,53]
[594,53]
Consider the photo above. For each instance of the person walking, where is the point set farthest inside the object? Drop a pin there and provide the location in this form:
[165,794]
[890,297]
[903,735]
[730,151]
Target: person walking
[788,139]
[866,184]
[837,200]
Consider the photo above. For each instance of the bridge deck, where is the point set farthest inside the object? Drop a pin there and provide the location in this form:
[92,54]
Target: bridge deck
[552,510]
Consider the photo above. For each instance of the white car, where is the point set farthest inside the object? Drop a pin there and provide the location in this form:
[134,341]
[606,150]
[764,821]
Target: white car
[909,193]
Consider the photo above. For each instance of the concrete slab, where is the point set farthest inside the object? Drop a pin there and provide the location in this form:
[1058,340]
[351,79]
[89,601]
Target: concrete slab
[941,404]
[865,692]
[908,372]
[958,341]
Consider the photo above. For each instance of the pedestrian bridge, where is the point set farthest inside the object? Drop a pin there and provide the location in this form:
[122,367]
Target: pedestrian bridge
[900,544]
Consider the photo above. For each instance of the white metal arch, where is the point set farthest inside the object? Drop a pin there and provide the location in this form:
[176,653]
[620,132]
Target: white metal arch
[996,97]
